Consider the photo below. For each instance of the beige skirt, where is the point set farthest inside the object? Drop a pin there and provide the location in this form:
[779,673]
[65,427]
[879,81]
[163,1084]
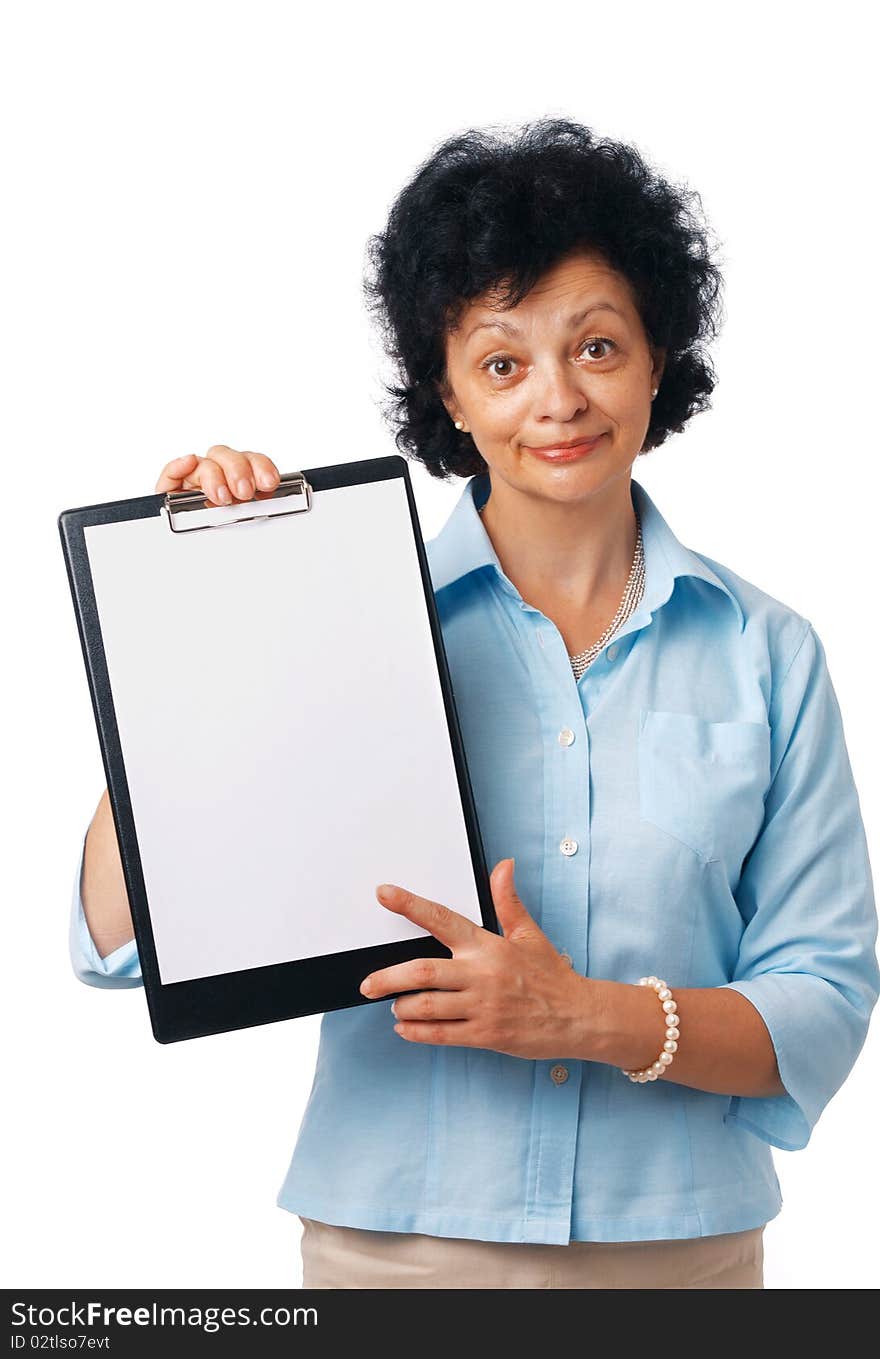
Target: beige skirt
[352,1257]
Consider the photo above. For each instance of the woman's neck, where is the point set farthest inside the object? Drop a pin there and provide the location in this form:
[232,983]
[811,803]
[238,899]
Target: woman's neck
[569,561]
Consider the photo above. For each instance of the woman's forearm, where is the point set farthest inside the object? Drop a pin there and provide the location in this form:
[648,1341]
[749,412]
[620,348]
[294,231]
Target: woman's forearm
[104,894]
[724,1047]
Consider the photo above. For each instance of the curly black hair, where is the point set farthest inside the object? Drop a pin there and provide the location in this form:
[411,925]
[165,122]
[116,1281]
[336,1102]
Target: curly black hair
[495,212]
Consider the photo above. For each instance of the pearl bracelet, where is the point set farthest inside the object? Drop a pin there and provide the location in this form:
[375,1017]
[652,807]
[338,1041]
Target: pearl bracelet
[673,1028]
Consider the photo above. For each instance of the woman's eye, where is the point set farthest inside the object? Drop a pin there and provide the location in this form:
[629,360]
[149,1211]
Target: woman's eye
[600,339]
[490,365]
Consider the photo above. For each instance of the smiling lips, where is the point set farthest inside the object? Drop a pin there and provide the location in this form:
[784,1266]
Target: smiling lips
[566,452]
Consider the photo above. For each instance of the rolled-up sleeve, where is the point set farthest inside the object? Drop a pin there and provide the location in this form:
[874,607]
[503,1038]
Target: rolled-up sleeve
[120,968]
[807,959]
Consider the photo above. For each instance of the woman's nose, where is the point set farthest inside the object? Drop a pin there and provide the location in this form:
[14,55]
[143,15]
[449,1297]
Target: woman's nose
[559,394]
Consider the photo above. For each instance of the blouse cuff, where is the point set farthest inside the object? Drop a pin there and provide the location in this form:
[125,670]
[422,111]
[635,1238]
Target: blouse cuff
[121,968]
[817,1034]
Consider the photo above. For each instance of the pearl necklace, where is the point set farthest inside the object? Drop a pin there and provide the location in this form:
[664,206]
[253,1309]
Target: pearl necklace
[635,586]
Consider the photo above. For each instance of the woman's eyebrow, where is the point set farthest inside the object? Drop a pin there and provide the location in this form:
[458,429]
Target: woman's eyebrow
[572,320]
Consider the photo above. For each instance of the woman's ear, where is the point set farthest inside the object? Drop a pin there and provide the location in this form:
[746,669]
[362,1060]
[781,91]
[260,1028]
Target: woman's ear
[447,396]
[659,365]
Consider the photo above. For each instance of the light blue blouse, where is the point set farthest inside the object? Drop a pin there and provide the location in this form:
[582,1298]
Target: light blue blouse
[686,809]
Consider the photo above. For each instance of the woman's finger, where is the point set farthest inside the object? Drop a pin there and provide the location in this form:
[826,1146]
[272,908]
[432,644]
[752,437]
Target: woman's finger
[447,974]
[211,480]
[175,473]
[428,1005]
[265,473]
[237,471]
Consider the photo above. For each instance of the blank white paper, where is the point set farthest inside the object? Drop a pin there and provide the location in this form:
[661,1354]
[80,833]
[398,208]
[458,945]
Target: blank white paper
[282,728]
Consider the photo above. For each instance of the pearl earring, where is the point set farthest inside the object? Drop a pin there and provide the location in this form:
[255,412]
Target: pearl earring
[459,424]
[654,392]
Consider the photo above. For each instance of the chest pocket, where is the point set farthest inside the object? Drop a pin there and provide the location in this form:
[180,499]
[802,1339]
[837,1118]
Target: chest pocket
[704,782]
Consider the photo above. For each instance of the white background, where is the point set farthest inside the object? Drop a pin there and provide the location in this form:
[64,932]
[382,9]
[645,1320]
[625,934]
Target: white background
[188,190]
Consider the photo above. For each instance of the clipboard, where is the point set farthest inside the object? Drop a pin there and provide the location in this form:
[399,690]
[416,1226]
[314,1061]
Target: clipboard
[278,730]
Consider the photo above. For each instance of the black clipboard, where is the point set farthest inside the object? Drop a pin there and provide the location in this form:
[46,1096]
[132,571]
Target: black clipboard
[169,527]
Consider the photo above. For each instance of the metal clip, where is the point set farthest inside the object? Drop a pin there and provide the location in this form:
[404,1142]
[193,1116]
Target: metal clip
[179,504]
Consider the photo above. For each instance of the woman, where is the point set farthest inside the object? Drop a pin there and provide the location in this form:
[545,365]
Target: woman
[687,970]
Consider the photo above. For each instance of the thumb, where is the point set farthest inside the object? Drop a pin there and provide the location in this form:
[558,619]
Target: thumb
[512,915]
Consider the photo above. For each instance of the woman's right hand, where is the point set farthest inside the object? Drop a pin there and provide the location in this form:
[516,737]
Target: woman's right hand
[223,476]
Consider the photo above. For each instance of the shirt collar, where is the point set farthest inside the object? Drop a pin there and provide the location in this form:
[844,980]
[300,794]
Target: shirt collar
[463,546]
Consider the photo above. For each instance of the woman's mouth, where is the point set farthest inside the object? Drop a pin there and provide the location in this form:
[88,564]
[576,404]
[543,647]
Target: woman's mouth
[565,453]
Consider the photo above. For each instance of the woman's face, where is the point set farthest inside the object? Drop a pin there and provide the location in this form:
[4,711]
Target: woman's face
[570,362]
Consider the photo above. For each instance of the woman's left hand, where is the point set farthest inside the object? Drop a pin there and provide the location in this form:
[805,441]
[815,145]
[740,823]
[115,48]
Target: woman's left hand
[515,994]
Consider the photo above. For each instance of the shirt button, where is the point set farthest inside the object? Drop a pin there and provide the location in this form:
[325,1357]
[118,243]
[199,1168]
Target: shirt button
[567,958]
[566,736]
[611,653]
[568,846]
[559,1074]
